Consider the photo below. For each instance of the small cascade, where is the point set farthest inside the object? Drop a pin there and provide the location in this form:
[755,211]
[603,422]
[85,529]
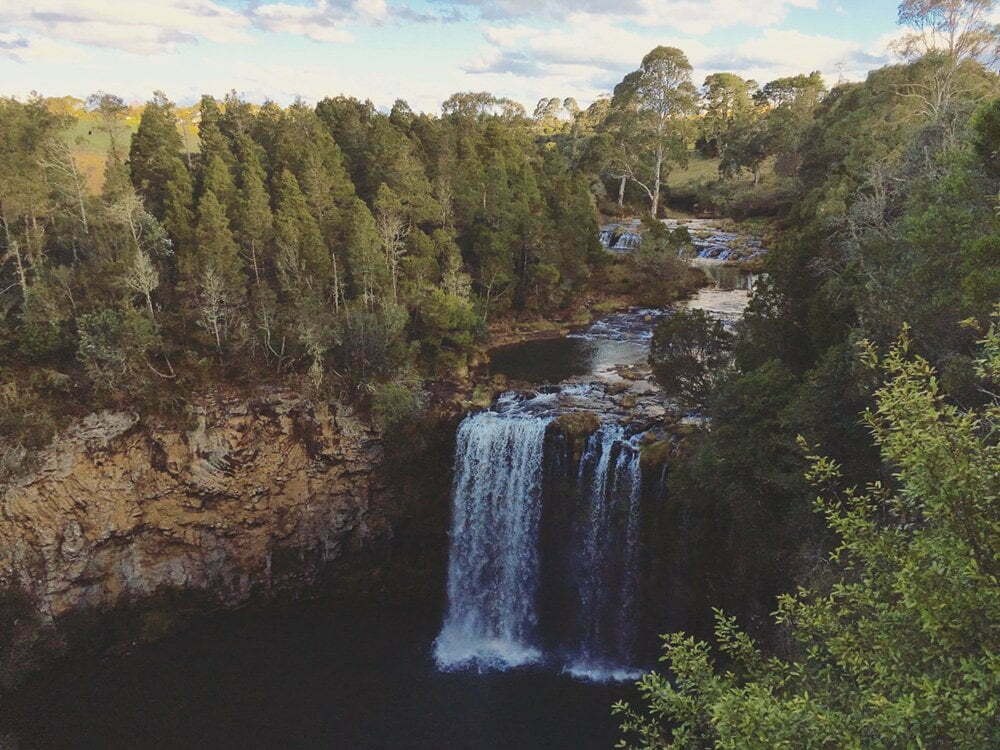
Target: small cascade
[493,566]
[627,241]
[605,236]
[605,559]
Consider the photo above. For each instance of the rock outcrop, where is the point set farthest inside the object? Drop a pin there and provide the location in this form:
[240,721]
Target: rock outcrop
[254,496]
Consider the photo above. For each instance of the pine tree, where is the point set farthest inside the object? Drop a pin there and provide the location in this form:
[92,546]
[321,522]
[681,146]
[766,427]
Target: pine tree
[213,142]
[365,269]
[254,223]
[216,248]
[236,120]
[217,178]
[391,159]
[319,188]
[155,146]
[116,178]
[304,264]
[177,212]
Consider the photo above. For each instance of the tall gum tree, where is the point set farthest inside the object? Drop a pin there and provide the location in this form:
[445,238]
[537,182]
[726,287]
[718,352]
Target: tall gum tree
[951,35]
[663,100]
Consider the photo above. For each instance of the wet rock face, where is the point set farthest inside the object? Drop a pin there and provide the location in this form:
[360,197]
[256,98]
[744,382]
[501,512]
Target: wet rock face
[253,498]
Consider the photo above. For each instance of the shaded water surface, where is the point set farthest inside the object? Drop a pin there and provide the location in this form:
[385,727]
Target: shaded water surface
[308,676]
[616,339]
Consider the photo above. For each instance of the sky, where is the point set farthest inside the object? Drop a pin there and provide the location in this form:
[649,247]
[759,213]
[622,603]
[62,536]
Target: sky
[419,50]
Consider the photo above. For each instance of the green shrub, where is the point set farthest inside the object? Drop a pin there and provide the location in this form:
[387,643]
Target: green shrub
[395,404]
[690,354]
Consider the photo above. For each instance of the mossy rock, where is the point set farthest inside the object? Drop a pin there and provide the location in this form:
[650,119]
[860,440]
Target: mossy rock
[482,396]
[578,424]
[682,429]
[655,454]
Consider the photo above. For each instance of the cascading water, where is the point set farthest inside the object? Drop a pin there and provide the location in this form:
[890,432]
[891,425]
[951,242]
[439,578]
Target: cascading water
[627,241]
[493,563]
[496,560]
[605,558]
[544,556]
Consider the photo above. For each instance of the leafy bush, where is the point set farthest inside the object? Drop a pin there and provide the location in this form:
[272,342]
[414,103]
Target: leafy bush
[113,345]
[901,647]
[690,354]
[446,327]
[369,344]
[395,404]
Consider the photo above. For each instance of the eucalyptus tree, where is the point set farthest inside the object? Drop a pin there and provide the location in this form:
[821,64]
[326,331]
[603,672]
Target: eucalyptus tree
[726,103]
[109,109]
[960,29]
[662,101]
[393,228]
[67,179]
[25,130]
[790,103]
[950,35]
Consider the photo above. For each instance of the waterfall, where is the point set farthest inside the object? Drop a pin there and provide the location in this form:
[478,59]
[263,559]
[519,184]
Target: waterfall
[627,241]
[493,559]
[544,549]
[605,560]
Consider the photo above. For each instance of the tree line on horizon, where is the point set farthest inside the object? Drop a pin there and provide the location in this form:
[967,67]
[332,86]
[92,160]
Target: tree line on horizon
[338,243]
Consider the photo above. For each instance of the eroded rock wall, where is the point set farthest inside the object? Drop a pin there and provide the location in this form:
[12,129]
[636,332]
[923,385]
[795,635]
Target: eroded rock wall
[253,496]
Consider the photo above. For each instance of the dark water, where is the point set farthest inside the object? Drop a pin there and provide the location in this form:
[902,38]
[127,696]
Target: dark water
[544,360]
[304,676]
[617,339]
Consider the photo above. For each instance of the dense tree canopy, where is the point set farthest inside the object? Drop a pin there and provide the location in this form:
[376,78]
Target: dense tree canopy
[898,647]
[893,642]
[282,234]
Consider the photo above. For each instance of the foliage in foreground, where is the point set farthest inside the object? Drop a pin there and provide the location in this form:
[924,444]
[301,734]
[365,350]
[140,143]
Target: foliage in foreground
[690,354]
[901,648]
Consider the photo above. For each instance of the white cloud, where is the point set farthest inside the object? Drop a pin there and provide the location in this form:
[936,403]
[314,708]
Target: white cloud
[321,20]
[583,47]
[150,27]
[787,49]
[28,49]
[579,57]
[688,16]
[139,26]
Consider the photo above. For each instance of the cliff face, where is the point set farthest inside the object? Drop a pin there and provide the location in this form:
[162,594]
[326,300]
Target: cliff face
[254,497]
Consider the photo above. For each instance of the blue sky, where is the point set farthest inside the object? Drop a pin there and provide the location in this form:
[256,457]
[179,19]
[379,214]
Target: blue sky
[420,50]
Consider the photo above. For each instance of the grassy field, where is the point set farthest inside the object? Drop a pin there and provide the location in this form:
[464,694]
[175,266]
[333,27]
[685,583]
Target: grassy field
[698,169]
[91,144]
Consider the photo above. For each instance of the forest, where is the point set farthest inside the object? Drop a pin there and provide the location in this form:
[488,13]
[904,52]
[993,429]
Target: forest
[332,243]
[359,255]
